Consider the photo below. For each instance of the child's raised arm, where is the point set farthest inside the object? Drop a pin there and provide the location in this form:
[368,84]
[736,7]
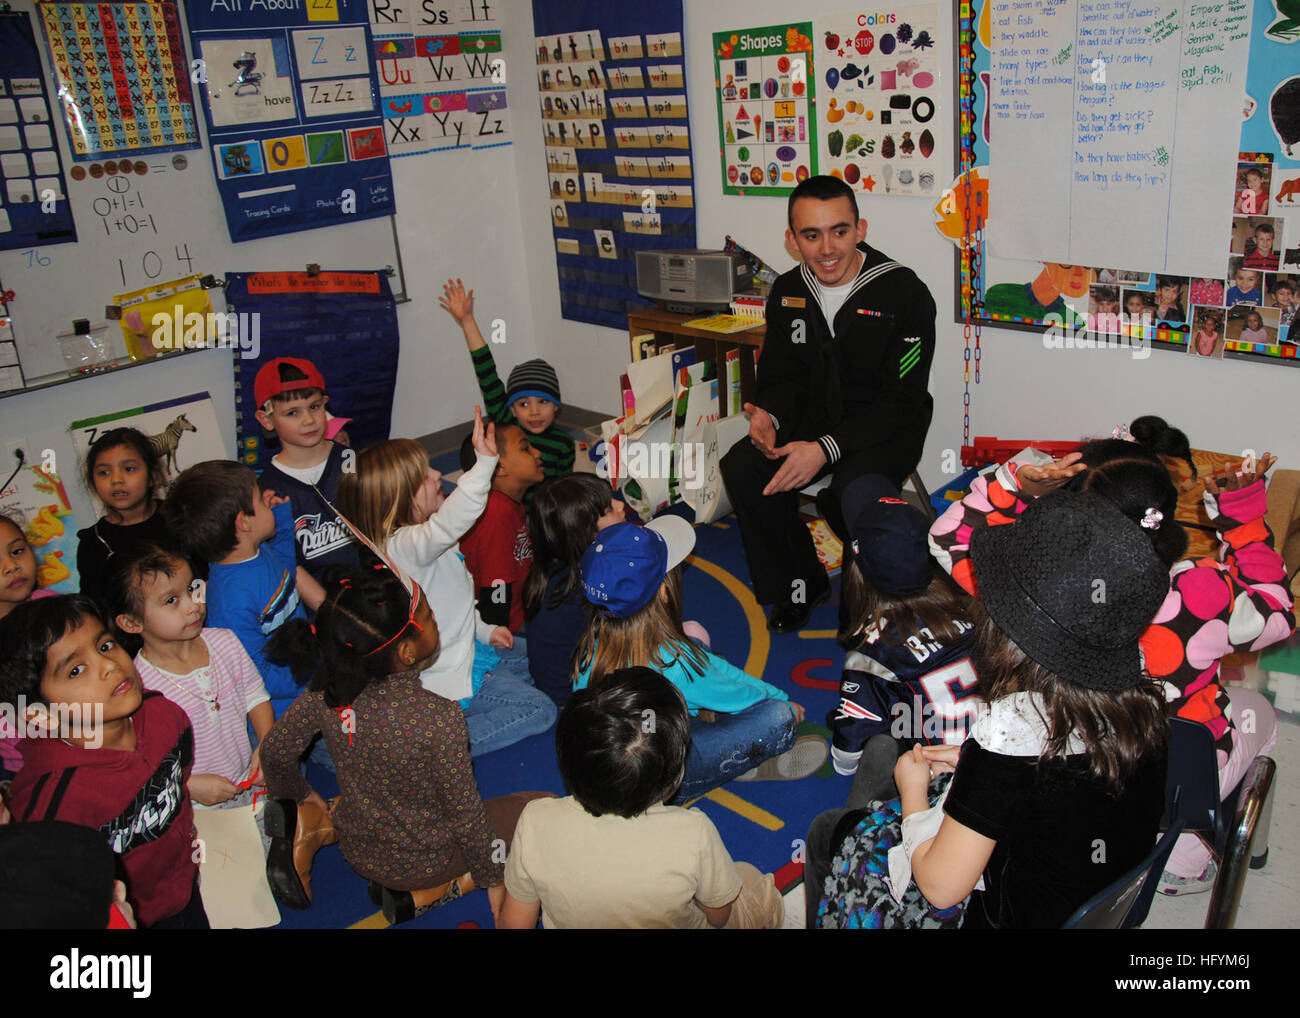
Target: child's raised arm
[993,500]
[459,303]
[1237,601]
[422,543]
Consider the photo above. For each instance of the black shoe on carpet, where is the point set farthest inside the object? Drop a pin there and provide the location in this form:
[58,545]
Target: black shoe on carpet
[790,616]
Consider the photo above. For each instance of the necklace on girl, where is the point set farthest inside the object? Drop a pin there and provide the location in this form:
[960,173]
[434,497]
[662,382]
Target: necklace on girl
[210,698]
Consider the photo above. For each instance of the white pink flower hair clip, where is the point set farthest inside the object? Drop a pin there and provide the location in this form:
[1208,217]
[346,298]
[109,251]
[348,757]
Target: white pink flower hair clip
[1152,519]
[1123,434]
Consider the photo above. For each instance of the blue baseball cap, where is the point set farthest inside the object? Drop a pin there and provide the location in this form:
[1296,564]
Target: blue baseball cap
[623,568]
[891,537]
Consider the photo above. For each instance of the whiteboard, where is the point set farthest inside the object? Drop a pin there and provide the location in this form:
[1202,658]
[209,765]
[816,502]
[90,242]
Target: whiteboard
[140,229]
[1115,125]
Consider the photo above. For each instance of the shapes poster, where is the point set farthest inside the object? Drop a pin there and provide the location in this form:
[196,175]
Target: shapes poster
[881,71]
[1243,306]
[618,148]
[123,79]
[33,199]
[766,87]
[292,100]
[441,75]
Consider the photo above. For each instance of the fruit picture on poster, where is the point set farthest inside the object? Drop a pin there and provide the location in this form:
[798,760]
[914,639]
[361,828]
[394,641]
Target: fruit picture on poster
[766,88]
[879,74]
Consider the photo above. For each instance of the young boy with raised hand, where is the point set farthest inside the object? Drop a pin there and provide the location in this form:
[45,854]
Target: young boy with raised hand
[611,853]
[218,514]
[109,755]
[291,401]
[497,548]
[531,396]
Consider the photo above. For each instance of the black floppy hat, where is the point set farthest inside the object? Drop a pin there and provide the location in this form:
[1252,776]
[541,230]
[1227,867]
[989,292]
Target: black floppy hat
[1073,583]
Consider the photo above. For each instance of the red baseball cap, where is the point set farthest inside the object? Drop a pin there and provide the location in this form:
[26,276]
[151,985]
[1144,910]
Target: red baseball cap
[268,384]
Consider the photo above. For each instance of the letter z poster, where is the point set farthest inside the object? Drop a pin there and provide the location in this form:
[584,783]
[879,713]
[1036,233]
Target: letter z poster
[290,91]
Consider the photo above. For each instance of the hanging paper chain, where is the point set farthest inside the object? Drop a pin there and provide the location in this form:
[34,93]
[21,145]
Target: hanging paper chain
[972,241]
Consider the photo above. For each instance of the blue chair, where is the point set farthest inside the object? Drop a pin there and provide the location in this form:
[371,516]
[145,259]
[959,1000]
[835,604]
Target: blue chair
[1125,903]
[1192,788]
[1237,859]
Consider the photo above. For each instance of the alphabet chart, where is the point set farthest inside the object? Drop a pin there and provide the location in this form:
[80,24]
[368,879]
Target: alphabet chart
[293,105]
[442,75]
[33,199]
[618,148]
[123,79]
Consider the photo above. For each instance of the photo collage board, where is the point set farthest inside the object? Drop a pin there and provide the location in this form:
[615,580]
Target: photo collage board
[1247,312]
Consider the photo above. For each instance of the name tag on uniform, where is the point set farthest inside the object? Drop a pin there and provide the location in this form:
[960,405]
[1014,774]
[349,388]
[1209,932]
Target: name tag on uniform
[793,302]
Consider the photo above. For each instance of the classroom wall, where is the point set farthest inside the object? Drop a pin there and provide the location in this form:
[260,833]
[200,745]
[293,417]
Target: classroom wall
[39,420]
[458,216]
[1025,391]
[484,216]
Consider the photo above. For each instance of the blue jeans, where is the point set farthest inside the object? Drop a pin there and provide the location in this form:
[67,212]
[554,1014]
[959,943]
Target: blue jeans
[507,707]
[734,744]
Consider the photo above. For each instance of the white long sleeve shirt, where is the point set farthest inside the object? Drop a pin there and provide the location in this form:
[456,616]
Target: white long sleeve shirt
[428,552]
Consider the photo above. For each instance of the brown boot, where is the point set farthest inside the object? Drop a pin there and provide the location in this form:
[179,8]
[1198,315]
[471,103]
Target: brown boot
[298,831]
[402,906]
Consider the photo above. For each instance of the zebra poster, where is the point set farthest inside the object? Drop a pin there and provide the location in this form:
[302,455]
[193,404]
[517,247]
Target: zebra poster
[182,431]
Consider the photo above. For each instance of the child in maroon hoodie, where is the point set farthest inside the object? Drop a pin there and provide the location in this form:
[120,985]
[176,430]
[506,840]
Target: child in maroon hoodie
[101,752]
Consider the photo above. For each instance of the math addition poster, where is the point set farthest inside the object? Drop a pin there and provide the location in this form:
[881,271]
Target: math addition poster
[31,172]
[123,79]
[294,119]
[441,75]
[766,89]
[880,83]
[618,146]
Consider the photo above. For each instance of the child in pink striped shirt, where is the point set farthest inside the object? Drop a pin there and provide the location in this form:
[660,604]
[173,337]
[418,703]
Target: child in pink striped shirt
[206,672]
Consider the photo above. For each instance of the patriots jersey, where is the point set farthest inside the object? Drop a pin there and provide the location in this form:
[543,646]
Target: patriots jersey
[916,690]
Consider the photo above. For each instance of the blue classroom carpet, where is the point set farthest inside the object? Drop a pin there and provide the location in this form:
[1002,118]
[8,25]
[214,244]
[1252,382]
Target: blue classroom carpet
[761,822]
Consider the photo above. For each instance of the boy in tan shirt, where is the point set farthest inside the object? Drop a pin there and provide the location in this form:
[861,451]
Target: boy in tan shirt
[611,854]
